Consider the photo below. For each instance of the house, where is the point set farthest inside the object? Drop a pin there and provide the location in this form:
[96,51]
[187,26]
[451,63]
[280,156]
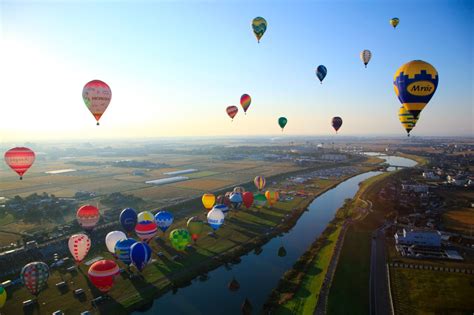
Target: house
[430,176]
[415,188]
[418,237]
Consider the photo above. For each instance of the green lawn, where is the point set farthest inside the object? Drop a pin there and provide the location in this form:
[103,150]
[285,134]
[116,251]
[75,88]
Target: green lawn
[305,299]
[6,219]
[431,292]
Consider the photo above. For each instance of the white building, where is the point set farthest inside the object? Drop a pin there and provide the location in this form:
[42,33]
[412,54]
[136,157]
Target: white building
[430,176]
[420,237]
[415,188]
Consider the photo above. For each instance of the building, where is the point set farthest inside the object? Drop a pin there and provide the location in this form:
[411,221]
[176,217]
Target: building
[333,157]
[415,188]
[418,237]
[430,176]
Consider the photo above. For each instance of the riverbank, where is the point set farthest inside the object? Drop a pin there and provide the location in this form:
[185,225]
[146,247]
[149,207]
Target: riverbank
[242,232]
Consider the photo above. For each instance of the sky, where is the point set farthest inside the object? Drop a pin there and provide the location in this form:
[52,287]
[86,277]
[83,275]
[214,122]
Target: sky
[174,67]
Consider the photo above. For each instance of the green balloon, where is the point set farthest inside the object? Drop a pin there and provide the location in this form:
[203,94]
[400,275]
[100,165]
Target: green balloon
[195,227]
[282,122]
[180,238]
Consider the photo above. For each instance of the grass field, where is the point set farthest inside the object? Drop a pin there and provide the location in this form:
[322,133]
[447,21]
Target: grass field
[459,215]
[431,292]
[305,299]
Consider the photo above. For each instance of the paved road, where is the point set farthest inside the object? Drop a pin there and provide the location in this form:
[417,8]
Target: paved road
[378,286]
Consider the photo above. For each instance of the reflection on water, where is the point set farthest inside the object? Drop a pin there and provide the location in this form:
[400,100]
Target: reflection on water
[259,271]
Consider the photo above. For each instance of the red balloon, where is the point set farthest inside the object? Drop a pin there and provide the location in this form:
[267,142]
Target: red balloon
[20,159]
[102,274]
[88,216]
[247,199]
[223,200]
[232,111]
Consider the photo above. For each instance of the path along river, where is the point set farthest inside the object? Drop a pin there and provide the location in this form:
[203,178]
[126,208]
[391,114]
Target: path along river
[259,274]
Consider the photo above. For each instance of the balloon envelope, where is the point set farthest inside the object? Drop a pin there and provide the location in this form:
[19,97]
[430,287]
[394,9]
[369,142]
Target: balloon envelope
[236,200]
[215,218]
[232,111]
[260,200]
[394,22]
[35,276]
[225,209]
[140,254]
[195,227]
[336,123]
[223,200]
[96,95]
[180,238]
[79,245]
[247,199]
[146,230]
[245,101]
[145,216]
[122,250]
[88,216]
[164,219]
[3,296]
[208,200]
[112,238]
[128,219]
[406,119]
[282,121]
[102,274]
[365,56]
[272,197]
[415,83]
[321,72]
[20,159]
[259,26]
[259,182]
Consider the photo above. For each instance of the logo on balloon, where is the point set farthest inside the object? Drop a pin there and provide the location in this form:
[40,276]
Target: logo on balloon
[421,88]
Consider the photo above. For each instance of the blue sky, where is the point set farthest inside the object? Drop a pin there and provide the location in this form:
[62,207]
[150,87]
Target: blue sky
[175,66]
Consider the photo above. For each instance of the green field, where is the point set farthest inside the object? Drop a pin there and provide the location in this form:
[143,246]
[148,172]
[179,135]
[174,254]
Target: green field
[431,292]
[305,299]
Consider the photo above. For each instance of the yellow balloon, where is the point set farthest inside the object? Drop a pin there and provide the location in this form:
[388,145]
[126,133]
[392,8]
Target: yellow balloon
[272,197]
[208,200]
[394,22]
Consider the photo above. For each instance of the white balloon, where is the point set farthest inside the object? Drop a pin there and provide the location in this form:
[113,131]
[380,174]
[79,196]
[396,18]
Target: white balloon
[112,238]
[215,218]
[79,245]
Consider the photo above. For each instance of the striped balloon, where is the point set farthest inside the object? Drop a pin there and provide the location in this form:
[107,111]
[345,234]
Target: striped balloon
[79,245]
[272,197]
[259,182]
[102,274]
[20,159]
[88,216]
[35,276]
[245,102]
[232,111]
[122,250]
[365,55]
[146,230]
[406,119]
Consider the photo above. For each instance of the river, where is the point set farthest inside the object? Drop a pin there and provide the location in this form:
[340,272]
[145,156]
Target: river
[259,274]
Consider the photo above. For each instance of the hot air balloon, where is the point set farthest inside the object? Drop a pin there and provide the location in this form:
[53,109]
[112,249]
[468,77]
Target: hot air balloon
[225,209]
[259,182]
[35,276]
[122,250]
[223,200]
[259,26]
[336,123]
[236,200]
[247,199]
[406,119]
[88,216]
[128,219]
[96,95]
[215,218]
[239,189]
[145,216]
[112,238]
[3,296]
[140,254]
[164,219]
[180,238]
[415,83]
[208,200]
[394,22]
[195,227]
[321,72]
[79,245]
[246,307]
[259,200]
[232,111]
[281,252]
[272,197]
[102,274]
[282,121]
[245,101]
[146,230]
[365,56]
[20,159]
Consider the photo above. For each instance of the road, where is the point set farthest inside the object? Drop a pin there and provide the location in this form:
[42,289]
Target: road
[378,286]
